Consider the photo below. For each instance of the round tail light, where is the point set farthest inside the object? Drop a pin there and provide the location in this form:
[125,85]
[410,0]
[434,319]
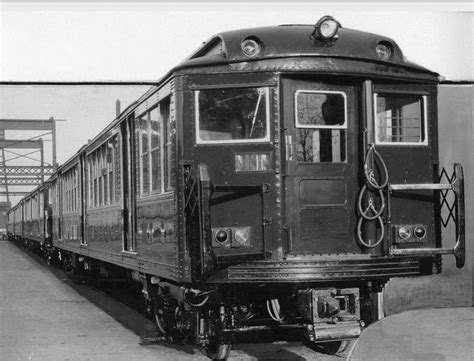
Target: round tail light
[420,232]
[221,236]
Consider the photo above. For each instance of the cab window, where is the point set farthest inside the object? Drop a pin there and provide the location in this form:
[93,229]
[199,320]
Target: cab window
[234,115]
[400,119]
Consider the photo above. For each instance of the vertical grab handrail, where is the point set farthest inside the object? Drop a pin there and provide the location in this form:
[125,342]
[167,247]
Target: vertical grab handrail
[197,192]
[205,190]
[458,189]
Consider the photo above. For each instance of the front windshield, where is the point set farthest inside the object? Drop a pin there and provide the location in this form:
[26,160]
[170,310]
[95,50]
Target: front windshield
[232,115]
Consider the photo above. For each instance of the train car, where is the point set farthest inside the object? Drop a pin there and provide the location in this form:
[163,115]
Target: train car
[269,185]
[4,207]
[30,219]
[15,225]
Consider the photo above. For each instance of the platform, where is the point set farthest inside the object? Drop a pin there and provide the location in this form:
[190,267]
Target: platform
[44,316]
[426,334]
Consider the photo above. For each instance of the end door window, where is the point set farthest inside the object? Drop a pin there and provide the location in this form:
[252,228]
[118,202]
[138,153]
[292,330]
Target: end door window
[321,126]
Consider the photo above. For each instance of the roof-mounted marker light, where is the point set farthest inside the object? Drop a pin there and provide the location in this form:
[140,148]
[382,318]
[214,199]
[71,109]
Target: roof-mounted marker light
[251,47]
[384,50]
[326,30]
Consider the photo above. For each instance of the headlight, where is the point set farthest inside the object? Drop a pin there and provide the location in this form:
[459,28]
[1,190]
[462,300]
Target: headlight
[404,233]
[326,29]
[241,237]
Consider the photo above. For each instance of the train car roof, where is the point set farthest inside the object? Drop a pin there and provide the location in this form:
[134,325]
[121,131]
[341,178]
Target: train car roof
[283,41]
[295,41]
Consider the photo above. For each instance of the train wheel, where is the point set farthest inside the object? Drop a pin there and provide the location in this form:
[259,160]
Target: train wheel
[218,347]
[167,314]
[218,351]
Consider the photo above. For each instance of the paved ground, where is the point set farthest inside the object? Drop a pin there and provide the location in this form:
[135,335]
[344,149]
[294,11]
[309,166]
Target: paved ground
[44,316]
[427,334]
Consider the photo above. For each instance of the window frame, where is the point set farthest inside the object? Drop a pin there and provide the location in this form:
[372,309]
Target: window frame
[267,137]
[306,126]
[69,190]
[101,172]
[167,140]
[164,149]
[342,127]
[156,108]
[424,114]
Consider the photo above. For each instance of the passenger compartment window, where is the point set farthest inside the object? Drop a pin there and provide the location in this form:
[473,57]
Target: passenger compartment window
[321,126]
[400,119]
[154,139]
[234,115]
[70,189]
[102,171]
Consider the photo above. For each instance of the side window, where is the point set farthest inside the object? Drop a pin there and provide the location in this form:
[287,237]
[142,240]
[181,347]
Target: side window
[99,176]
[154,149]
[400,119]
[41,205]
[89,180]
[103,176]
[143,162]
[94,176]
[110,160]
[321,126]
[167,142]
[69,190]
[117,168]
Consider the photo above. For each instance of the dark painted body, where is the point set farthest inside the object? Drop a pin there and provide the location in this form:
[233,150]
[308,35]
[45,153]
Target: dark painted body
[295,200]
[302,216]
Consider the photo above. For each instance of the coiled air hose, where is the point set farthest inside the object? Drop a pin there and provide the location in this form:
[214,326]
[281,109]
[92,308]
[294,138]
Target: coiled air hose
[369,173]
[372,184]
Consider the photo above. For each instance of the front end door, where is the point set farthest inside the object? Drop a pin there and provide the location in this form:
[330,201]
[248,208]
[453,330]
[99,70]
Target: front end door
[321,130]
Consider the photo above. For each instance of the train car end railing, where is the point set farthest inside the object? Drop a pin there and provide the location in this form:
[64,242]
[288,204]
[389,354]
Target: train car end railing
[456,212]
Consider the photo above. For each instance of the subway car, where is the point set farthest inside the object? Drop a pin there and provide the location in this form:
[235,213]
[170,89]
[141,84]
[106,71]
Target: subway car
[266,188]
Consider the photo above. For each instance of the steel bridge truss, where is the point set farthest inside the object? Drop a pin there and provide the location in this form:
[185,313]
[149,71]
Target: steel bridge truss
[24,177]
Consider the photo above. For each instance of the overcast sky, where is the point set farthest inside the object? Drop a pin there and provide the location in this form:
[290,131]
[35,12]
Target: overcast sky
[124,41]
[141,41]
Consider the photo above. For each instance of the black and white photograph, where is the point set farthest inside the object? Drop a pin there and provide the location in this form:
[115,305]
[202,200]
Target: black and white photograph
[242,181]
